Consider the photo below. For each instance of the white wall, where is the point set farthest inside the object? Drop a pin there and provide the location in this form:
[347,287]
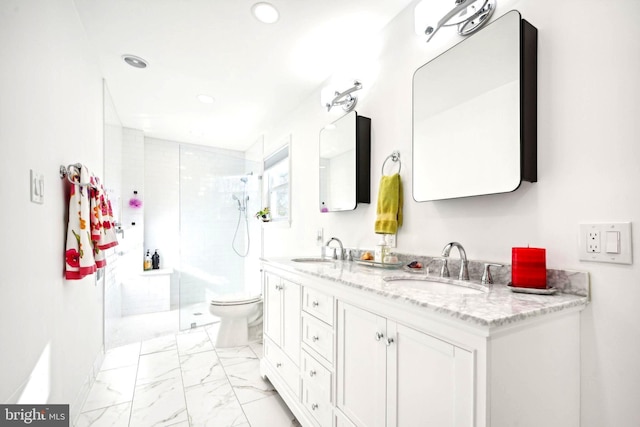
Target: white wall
[50,114]
[588,127]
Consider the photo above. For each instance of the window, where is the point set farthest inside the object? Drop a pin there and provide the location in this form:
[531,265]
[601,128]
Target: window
[277,185]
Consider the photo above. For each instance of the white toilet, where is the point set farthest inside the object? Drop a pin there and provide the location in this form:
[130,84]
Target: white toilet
[235,312]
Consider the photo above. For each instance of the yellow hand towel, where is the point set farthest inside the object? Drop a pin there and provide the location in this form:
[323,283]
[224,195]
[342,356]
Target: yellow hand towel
[389,208]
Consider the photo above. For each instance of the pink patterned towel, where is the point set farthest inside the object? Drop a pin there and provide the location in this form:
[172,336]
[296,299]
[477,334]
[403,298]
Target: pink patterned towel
[90,230]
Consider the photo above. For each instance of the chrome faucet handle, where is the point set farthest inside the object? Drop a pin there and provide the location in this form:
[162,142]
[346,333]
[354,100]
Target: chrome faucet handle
[335,255]
[349,255]
[444,268]
[486,274]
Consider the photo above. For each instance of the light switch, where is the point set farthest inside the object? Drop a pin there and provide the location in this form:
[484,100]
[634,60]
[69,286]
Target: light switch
[37,187]
[612,245]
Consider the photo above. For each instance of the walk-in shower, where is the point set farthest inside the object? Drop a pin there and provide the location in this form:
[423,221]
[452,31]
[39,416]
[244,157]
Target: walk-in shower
[218,191]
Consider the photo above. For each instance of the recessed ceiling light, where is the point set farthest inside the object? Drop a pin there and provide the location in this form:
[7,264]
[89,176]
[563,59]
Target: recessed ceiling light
[206,99]
[265,12]
[135,61]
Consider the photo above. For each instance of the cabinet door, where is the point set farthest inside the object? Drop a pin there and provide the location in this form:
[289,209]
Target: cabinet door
[430,381]
[361,366]
[272,307]
[291,302]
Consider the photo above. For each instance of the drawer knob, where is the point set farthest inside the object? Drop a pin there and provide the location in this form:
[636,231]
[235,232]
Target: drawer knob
[314,406]
[312,373]
[389,342]
[315,338]
[315,303]
[278,365]
[379,336]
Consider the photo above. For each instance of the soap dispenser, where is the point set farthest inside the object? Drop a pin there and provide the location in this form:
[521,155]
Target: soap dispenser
[147,261]
[381,250]
[155,260]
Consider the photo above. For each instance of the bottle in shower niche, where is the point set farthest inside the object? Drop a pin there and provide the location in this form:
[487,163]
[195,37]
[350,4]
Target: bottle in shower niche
[155,260]
[147,261]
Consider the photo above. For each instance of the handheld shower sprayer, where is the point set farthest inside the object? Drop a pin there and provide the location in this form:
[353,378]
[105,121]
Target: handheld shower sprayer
[237,200]
[243,202]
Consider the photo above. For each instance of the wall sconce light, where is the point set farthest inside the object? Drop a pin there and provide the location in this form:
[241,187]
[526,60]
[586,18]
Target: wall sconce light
[468,15]
[345,99]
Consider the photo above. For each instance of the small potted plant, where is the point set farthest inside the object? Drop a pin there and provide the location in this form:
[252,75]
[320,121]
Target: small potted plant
[263,214]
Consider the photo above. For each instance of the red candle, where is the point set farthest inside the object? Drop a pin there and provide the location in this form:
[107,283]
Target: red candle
[528,268]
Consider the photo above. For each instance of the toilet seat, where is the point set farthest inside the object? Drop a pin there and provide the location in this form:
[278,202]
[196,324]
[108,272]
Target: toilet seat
[235,299]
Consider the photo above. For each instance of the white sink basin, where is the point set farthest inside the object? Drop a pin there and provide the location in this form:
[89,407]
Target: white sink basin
[435,286]
[311,260]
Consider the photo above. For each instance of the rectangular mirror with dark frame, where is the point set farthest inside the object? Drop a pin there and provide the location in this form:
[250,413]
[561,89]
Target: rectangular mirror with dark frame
[474,114]
[345,163]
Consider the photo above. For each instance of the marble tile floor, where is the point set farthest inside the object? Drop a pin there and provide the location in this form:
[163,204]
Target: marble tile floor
[182,380]
[139,327]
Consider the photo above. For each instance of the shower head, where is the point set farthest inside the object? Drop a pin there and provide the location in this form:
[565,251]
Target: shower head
[237,200]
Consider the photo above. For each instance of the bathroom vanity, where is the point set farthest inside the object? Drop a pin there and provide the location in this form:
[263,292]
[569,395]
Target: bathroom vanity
[348,345]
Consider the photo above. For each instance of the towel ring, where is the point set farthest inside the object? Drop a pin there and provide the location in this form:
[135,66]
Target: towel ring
[394,157]
[70,174]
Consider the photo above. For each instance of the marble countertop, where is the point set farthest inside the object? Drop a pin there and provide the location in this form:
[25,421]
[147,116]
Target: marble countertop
[495,306]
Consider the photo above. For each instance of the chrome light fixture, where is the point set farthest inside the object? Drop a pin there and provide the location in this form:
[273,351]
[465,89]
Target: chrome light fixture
[345,99]
[467,15]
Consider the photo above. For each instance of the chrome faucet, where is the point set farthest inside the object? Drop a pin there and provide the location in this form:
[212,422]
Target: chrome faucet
[464,264]
[334,249]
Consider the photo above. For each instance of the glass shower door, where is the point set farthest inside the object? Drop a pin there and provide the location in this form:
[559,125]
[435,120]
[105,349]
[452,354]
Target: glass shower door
[218,194]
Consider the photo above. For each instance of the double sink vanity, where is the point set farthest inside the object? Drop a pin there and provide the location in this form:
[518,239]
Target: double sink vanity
[347,344]
[354,344]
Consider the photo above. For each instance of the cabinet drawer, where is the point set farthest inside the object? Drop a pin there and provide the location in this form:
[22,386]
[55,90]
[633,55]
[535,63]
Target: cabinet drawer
[319,408]
[318,336]
[283,365]
[317,376]
[319,304]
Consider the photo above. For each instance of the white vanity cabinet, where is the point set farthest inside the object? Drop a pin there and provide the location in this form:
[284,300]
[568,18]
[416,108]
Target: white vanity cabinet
[392,375]
[318,350]
[282,329]
[342,356]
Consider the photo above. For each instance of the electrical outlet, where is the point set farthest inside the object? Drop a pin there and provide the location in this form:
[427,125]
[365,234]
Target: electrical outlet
[593,241]
[606,242]
[320,237]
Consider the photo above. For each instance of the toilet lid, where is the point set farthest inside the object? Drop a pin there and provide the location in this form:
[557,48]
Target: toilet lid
[235,299]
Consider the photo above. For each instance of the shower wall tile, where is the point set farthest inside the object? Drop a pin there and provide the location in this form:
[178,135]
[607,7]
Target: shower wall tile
[190,216]
[132,178]
[162,200]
